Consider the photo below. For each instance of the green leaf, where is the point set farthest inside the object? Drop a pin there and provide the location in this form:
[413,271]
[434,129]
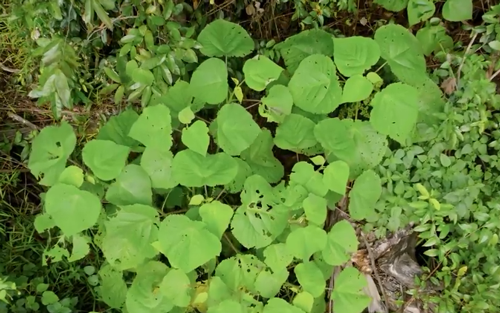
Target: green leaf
[187,244]
[186,116]
[80,248]
[354,142]
[72,175]
[112,288]
[153,128]
[131,187]
[277,104]
[244,171]
[364,195]
[43,222]
[348,295]
[196,138]
[310,278]
[304,300]
[142,76]
[356,88]
[240,272]
[314,85]
[277,256]
[304,174]
[49,297]
[223,38]
[176,287]
[336,175]
[216,216]
[259,219]
[403,53]
[395,111]
[144,296]
[296,133]
[354,55]
[342,241]
[129,235]
[118,127]
[298,47]
[50,150]
[236,129]
[260,157]
[191,169]
[105,158]
[158,165]
[393,5]
[225,306]
[420,11]
[457,10]
[71,209]
[269,284]
[315,209]
[209,81]
[260,71]
[277,305]
[178,97]
[304,242]
[102,14]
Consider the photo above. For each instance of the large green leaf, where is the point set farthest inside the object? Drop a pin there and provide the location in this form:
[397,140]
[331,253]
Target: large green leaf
[348,295]
[158,165]
[354,142]
[298,47]
[71,209]
[259,219]
[50,150]
[296,133]
[153,128]
[259,156]
[209,81]
[342,241]
[191,169]
[187,244]
[354,55]
[105,158]
[129,235]
[131,187]
[223,38]
[236,129]
[176,286]
[144,295]
[260,71]
[304,242]
[314,85]
[395,111]
[364,195]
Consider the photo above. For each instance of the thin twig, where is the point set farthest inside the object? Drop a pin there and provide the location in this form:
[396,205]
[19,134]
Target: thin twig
[21,120]
[377,276]
[465,54]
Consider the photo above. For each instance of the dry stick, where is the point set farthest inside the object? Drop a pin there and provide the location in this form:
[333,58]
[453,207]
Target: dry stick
[375,271]
[465,54]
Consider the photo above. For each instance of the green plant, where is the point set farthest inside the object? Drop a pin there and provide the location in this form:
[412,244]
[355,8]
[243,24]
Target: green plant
[251,238]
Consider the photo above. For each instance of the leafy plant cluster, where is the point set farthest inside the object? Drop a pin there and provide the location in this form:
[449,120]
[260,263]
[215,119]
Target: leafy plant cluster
[252,239]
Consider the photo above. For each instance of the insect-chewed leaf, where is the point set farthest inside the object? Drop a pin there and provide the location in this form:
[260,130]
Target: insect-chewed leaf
[131,187]
[260,71]
[187,244]
[341,241]
[191,169]
[354,55]
[364,195]
[224,38]
[236,129]
[259,219]
[209,81]
[277,256]
[112,287]
[395,111]
[268,284]
[153,128]
[240,271]
[105,158]
[144,295]
[129,234]
[314,85]
[298,47]
[50,150]
[348,295]
[354,142]
[71,209]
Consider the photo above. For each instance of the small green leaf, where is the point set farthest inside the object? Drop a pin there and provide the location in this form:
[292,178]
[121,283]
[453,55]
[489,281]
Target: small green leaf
[216,216]
[223,38]
[353,55]
[457,10]
[310,278]
[176,287]
[153,128]
[315,209]
[105,158]
[295,133]
[364,195]
[304,242]
[348,295]
[72,175]
[158,165]
[277,256]
[335,176]
[356,88]
[260,71]
[342,241]
[196,138]
[209,81]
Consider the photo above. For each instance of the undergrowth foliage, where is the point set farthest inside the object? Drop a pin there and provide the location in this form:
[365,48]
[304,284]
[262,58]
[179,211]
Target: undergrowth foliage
[250,232]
